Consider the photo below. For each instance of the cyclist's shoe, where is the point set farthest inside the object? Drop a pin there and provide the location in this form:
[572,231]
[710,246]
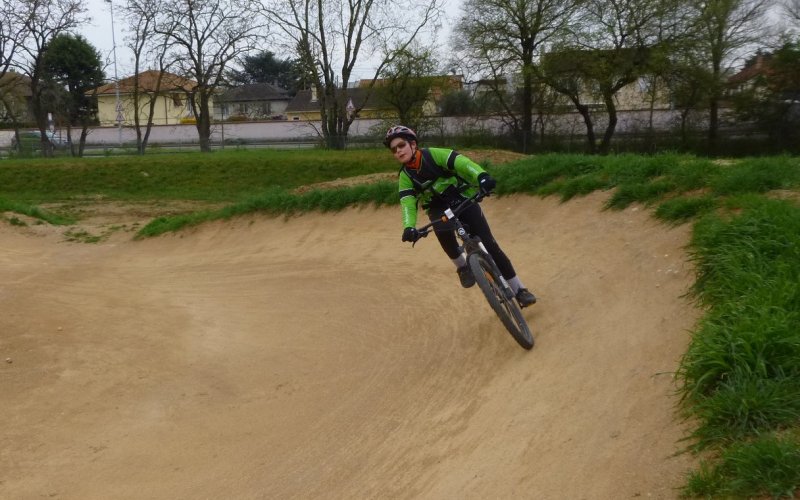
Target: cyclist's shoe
[525,298]
[465,276]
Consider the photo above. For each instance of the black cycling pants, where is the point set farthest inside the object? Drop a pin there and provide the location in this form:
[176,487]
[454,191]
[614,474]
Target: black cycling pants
[476,224]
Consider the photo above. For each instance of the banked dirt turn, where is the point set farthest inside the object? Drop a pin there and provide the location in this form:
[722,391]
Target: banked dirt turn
[319,357]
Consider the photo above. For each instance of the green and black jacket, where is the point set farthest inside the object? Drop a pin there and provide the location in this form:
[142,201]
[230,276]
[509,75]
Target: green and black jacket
[442,173]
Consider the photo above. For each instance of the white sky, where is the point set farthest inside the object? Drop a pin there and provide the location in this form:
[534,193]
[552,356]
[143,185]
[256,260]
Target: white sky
[98,32]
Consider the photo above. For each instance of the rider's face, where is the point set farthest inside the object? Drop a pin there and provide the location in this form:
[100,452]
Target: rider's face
[401,149]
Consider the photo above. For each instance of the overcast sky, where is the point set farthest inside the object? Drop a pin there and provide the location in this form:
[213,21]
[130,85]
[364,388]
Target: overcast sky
[99,34]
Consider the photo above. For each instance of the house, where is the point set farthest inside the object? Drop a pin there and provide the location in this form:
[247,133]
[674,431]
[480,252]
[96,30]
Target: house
[15,98]
[171,95]
[484,93]
[754,69]
[441,86]
[765,77]
[586,69]
[488,85]
[251,102]
[305,105]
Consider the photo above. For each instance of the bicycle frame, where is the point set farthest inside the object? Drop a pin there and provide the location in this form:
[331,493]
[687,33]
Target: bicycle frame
[470,243]
[452,215]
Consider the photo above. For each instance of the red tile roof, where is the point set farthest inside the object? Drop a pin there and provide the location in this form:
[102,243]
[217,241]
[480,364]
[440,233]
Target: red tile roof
[147,83]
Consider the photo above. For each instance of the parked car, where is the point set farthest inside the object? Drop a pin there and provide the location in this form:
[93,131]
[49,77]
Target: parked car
[32,140]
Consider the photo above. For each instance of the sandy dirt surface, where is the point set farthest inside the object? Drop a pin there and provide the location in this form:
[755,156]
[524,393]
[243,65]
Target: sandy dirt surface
[318,357]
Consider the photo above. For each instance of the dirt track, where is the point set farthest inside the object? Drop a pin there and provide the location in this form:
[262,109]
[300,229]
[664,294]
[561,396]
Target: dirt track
[321,358]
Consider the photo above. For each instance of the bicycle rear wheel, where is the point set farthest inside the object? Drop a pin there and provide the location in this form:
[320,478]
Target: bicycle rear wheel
[491,284]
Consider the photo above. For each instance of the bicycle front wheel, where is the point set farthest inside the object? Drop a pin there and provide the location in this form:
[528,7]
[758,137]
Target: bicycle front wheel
[492,286]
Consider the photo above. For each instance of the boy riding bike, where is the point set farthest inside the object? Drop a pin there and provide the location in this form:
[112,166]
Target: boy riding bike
[441,179]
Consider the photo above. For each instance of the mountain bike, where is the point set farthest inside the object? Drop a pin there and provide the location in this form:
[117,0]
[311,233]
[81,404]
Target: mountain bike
[491,282]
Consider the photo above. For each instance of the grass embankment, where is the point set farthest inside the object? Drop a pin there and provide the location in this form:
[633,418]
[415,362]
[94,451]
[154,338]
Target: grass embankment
[247,179]
[740,378]
[222,176]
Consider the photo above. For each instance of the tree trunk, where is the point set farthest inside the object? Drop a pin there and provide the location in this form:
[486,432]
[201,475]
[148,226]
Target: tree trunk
[82,141]
[334,126]
[136,121]
[713,125]
[587,119]
[153,100]
[40,116]
[527,111]
[611,108]
[203,122]
[684,126]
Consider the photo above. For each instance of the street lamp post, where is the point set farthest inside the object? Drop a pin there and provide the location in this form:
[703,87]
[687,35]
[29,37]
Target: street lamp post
[116,78]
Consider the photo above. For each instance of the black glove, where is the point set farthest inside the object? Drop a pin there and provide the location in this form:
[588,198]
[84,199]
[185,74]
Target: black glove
[410,234]
[486,183]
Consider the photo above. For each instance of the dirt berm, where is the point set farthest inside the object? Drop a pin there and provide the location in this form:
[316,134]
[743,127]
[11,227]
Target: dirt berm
[319,357]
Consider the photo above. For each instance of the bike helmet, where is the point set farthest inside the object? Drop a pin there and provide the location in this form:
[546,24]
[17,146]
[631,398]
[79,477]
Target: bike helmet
[399,131]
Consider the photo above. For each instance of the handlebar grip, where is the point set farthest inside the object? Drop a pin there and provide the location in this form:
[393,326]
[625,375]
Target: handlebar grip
[421,234]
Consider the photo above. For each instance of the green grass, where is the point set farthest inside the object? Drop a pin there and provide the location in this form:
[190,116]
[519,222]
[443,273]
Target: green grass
[280,201]
[31,211]
[741,374]
[739,380]
[681,209]
[766,465]
[757,175]
[220,176]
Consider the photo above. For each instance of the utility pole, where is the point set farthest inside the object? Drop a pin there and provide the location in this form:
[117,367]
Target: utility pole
[116,78]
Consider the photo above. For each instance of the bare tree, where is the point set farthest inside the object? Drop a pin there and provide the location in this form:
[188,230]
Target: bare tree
[331,34]
[504,40]
[205,36]
[148,48]
[792,8]
[13,31]
[44,20]
[722,29]
[615,44]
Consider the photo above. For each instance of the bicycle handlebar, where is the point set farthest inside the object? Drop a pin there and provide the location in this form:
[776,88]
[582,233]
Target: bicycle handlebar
[427,228]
